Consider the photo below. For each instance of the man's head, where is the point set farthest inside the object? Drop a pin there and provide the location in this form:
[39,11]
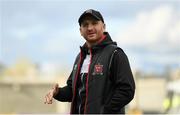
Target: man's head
[92,26]
[94,13]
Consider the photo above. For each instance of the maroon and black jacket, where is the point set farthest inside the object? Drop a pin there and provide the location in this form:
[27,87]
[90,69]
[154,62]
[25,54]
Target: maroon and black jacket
[109,85]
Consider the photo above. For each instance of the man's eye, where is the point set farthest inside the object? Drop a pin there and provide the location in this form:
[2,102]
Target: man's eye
[84,25]
[95,22]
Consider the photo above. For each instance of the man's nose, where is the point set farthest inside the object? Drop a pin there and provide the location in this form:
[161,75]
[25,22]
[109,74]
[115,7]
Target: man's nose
[90,27]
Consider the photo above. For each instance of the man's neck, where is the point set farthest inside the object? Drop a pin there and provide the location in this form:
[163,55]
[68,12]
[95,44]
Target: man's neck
[89,45]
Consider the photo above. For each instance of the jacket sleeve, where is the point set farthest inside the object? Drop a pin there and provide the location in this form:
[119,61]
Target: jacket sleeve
[65,93]
[124,85]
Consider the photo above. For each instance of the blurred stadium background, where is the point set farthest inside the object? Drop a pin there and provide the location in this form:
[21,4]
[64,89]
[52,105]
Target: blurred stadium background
[40,39]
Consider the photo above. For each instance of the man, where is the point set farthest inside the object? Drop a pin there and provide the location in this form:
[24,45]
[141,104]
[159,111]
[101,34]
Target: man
[101,80]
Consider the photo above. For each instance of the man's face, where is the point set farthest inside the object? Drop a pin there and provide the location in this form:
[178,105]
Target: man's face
[92,29]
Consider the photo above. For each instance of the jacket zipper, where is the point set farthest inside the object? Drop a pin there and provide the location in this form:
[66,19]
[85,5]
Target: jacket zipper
[87,79]
[74,91]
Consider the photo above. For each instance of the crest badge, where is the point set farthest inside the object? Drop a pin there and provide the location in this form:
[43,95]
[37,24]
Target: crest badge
[98,69]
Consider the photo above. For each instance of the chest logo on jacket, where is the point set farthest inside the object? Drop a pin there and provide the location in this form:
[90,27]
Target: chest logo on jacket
[98,69]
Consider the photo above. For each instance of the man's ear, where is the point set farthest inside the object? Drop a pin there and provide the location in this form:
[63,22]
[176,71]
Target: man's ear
[104,26]
[80,31]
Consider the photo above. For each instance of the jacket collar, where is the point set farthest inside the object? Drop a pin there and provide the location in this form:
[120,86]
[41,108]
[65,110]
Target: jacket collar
[106,41]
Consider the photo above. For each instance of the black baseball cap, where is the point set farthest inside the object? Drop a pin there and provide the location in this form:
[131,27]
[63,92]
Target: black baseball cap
[94,13]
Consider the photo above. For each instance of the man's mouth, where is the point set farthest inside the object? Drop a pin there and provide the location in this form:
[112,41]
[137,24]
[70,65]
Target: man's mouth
[91,34]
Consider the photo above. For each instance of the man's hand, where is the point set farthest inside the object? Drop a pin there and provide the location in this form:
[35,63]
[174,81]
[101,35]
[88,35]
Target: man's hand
[51,93]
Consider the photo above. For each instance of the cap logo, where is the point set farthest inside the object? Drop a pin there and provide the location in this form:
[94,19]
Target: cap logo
[89,11]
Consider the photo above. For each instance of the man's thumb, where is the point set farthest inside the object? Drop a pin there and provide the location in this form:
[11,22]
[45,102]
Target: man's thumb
[56,86]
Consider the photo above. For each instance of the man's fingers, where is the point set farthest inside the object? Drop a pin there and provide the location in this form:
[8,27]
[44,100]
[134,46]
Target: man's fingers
[50,102]
[48,98]
[51,93]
